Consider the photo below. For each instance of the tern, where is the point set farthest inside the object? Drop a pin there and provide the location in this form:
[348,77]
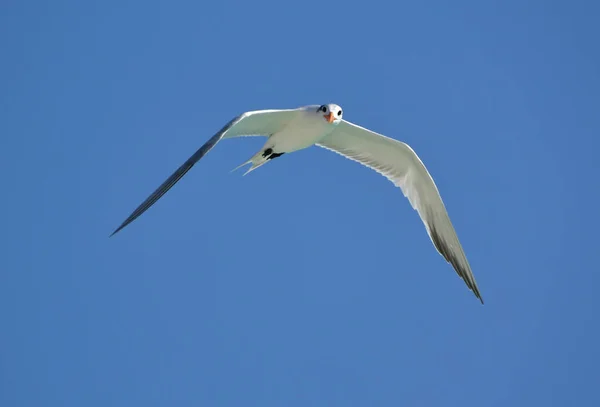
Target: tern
[290,130]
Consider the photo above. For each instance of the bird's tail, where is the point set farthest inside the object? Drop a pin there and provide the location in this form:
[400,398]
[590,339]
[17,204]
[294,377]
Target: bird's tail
[257,160]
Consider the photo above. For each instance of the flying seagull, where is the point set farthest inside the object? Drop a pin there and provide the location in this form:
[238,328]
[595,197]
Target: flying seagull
[291,130]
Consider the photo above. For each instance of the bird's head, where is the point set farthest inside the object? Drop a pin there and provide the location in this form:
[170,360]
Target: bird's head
[331,113]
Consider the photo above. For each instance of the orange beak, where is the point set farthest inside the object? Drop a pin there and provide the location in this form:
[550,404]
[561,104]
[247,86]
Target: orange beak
[329,117]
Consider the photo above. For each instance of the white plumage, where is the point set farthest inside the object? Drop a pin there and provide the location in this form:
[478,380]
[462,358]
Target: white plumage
[291,130]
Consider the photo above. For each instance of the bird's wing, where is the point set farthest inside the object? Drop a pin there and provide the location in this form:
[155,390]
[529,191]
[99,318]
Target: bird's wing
[260,122]
[401,165]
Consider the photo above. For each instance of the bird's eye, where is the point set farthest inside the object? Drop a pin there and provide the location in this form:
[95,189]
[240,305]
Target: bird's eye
[323,108]
[340,113]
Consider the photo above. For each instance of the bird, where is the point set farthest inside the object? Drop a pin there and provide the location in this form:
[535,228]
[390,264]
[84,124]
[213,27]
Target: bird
[290,130]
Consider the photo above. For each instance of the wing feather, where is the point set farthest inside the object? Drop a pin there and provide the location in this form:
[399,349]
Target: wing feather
[401,165]
[261,122]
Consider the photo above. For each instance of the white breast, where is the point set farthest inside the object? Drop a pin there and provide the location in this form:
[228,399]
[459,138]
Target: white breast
[302,132]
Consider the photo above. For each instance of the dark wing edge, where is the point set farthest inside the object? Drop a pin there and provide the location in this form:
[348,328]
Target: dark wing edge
[178,174]
[437,222]
[455,257]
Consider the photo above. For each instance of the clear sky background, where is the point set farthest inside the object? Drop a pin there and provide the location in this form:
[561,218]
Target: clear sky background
[311,281]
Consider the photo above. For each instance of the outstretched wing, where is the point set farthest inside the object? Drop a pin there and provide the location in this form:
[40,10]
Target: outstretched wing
[401,165]
[260,122]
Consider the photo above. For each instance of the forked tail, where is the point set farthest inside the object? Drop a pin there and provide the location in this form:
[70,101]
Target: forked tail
[259,159]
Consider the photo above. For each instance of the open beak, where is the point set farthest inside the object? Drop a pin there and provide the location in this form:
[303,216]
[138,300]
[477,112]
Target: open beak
[329,117]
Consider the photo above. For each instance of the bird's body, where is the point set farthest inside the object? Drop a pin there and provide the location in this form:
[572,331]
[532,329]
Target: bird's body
[291,130]
[301,130]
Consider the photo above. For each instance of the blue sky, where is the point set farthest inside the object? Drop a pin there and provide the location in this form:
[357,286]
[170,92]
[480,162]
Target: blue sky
[311,281]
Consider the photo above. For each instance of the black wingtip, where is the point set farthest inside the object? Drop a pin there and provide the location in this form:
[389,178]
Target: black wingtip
[451,257]
[116,231]
[477,293]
